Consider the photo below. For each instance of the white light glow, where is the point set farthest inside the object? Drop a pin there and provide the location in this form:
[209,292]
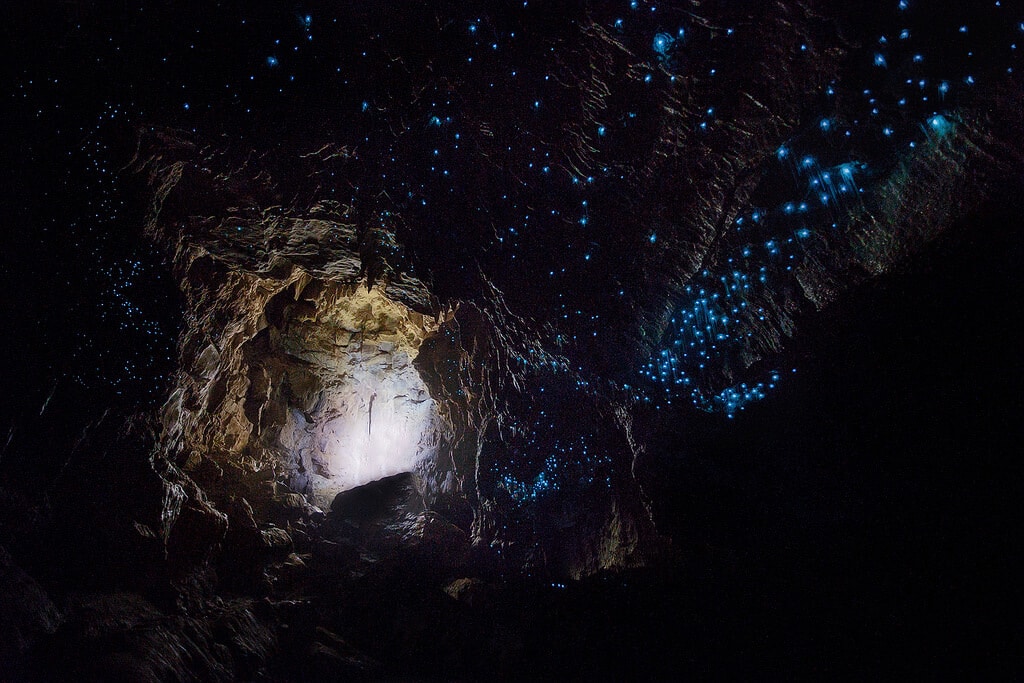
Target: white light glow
[358,409]
[379,431]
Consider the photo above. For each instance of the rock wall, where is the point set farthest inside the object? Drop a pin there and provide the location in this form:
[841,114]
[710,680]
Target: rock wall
[316,381]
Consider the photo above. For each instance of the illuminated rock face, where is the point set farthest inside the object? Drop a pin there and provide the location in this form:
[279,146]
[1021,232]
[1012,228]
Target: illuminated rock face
[364,412]
[296,376]
[373,428]
[311,384]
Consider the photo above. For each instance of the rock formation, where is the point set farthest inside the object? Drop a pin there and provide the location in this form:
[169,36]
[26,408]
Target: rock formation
[445,351]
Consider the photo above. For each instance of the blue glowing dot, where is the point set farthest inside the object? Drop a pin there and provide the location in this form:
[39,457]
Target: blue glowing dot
[803,233]
[662,43]
[601,130]
[904,4]
[782,152]
[647,78]
[653,238]
[272,61]
[943,88]
[879,59]
[472,28]
[940,124]
[186,106]
[366,105]
[825,124]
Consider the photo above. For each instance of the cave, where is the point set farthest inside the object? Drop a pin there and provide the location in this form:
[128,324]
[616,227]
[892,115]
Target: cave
[536,341]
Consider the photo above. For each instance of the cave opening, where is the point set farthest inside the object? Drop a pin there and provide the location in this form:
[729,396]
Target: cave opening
[352,404]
